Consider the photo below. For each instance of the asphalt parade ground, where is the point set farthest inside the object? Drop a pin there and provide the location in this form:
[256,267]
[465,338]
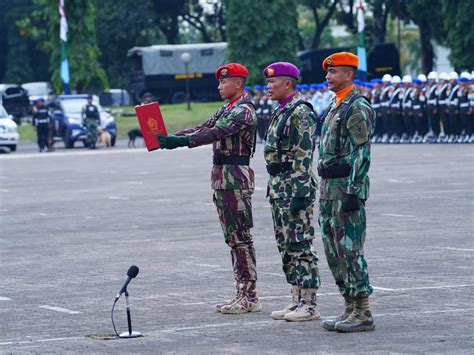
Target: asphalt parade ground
[73,221]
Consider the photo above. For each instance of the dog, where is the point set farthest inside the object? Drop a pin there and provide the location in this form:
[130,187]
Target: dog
[104,137]
[132,135]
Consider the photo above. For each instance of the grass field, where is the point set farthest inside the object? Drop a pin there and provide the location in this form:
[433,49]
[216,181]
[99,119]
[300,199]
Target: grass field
[176,117]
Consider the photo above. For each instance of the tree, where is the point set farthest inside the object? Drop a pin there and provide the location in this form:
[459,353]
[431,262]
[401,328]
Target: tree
[20,58]
[381,10]
[167,14]
[120,30]
[83,51]
[322,12]
[460,33]
[210,22]
[261,32]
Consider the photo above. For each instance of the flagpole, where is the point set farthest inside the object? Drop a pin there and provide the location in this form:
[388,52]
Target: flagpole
[361,53]
[63,29]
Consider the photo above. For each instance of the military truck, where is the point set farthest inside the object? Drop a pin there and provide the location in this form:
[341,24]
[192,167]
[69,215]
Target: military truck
[159,70]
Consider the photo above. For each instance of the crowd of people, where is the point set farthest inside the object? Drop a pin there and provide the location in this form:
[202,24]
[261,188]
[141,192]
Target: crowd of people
[438,108]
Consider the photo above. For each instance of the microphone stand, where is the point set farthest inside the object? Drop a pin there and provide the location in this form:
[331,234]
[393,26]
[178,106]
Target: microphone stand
[129,334]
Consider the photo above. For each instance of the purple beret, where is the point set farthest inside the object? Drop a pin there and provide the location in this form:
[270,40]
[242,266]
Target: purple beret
[281,69]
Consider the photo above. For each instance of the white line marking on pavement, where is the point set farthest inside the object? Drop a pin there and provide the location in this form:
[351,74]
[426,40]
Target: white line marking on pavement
[118,198]
[383,288]
[251,324]
[4,190]
[431,287]
[59,309]
[193,303]
[397,215]
[449,248]
[209,265]
[5,298]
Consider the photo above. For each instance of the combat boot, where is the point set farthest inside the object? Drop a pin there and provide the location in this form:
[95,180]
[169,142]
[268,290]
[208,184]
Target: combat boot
[247,302]
[360,320]
[295,299]
[307,308]
[232,300]
[329,324]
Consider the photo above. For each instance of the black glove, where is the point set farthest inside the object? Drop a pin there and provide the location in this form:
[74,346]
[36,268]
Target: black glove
[172,141]
[299,203]
[350,203]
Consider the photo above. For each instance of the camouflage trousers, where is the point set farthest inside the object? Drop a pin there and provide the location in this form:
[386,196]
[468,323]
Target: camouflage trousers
[294,234]
[234,208]
[91,135]
[343,235]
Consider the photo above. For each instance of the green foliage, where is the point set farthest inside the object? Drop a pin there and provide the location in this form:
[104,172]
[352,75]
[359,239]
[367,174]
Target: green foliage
[121,29]
[83,52]
[261,32]
[20,58]
[460,33]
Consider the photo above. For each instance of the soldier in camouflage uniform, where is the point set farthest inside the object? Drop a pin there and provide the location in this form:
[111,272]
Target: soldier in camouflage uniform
[91,119]
[231,130]
[288,153]
[344,160]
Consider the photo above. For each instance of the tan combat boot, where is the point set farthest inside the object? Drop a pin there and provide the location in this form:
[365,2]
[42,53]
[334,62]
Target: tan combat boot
[360,320]
[247,302]
[329,324]
[295,299]
[231,301]
[307,308]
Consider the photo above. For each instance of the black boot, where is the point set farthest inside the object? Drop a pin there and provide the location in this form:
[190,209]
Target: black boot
[329,324]
[360,320]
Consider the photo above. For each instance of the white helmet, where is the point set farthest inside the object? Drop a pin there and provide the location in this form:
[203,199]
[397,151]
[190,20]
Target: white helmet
[433,75]
[465,75]
[444,76]
[453,75]
[396,79]
[387,78]
[407,79]
[422,78]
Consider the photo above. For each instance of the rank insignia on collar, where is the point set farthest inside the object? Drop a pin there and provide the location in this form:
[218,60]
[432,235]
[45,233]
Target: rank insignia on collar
[270,71]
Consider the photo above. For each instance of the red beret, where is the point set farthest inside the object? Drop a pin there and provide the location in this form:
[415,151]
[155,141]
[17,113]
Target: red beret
[231,70]
[341,59]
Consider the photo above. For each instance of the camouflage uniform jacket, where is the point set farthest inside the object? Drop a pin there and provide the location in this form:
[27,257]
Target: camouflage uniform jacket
[355,149]
[297,147]
[231,130]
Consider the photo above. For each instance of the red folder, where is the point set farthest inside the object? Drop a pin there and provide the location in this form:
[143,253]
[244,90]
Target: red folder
[151,123]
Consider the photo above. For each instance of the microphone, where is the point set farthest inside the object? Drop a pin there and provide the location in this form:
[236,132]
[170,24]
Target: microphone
[131,273]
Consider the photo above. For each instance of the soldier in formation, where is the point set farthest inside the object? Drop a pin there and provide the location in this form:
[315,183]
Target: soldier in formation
[288,152]
[231,131]
[91,120]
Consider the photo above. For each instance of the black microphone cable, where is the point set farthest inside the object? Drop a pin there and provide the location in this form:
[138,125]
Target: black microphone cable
[112,317]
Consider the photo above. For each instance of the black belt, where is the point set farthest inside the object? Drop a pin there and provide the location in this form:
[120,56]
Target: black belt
[231,160]
[277,168]
[335,171]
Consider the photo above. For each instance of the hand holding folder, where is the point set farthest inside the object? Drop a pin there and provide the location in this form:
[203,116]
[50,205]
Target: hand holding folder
[151,123]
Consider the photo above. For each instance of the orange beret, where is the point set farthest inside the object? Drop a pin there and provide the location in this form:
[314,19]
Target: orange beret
[341,59]
[231,70]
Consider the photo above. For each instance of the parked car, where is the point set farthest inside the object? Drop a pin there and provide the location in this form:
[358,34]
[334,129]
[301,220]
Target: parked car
[8,130]
[15,101]
[39,89]
[67,117]
[115,97]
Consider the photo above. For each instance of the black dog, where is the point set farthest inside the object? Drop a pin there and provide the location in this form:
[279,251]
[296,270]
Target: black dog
[132,135]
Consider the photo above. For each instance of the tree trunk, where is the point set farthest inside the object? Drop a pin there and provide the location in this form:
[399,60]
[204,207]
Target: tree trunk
[427,51]
[380,21]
